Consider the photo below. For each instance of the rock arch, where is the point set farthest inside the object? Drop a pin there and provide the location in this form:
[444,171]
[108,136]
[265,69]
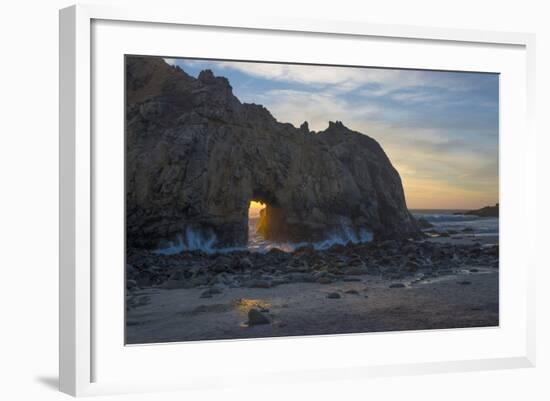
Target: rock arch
[196,156]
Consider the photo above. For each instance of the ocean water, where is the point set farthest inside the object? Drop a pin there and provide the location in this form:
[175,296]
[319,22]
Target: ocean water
[207,242]
[445,220]
[257,243]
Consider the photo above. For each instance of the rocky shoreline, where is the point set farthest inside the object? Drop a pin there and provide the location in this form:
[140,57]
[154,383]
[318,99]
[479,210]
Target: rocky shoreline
[465,300]
[391,260]
[409,285]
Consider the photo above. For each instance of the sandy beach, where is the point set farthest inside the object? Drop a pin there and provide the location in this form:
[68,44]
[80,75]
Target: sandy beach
[462,292]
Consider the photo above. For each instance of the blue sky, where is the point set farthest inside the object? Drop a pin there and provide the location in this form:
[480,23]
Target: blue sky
[439,129]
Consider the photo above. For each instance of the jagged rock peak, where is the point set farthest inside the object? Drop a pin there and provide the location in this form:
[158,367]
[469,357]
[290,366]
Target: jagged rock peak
[207,77]
[305,127]
[337,125]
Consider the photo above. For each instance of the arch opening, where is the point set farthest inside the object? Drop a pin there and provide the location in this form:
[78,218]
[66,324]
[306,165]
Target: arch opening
[256,223]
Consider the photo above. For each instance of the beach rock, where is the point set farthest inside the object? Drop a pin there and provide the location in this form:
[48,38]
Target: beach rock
[258,283]
[355,270]
[300,277]
[211,291]
[255,317]
[423,223]
[351,279]
[196,156]
[245,263]
[352,292]
[324,280]
[333,295]
[198,281]
[412,266]
[464,282]
[397,285]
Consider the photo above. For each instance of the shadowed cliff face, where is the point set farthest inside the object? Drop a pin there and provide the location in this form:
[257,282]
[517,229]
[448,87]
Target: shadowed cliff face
[196,157]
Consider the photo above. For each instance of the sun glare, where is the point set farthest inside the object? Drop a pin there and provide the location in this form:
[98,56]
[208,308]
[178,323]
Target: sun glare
[254,208]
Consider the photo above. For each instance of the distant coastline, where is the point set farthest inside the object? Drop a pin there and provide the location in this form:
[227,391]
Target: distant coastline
[487,211]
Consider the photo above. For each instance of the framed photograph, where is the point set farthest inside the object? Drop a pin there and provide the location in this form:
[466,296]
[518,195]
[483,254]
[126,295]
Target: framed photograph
[290,200]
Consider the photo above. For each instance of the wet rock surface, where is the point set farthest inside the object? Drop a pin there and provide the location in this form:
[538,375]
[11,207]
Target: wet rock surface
[389,260]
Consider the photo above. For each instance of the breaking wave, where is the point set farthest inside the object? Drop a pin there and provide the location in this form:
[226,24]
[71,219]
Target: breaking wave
[445,220]
[192,240]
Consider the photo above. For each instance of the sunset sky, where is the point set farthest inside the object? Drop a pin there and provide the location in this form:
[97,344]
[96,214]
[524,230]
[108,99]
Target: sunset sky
[439,129]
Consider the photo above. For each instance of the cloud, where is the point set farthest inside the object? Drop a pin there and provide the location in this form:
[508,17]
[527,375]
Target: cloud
[377,81]
[440,129]
[317,108]
[460,170]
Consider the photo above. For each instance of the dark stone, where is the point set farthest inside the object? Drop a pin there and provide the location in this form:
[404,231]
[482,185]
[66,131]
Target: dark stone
[259,284]
[355,270]
[423,223]
[255,317]
[397,285]
[333,295]
[300,277]
[412,266]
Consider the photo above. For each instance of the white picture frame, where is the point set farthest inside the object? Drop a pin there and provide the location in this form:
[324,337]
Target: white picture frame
[79,339]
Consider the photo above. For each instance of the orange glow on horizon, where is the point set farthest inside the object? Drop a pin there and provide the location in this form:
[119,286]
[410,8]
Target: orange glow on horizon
[428,194]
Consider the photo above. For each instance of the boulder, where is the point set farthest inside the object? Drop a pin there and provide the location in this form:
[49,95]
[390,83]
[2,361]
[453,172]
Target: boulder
[255,317]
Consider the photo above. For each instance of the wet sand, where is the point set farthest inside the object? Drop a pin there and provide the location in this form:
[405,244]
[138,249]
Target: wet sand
[457,300]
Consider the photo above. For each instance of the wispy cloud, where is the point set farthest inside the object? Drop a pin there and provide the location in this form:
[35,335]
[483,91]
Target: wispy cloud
[440,129]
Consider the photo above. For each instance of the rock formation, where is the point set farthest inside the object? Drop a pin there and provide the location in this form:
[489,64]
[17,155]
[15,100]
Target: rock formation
[196,156]
[487,211]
